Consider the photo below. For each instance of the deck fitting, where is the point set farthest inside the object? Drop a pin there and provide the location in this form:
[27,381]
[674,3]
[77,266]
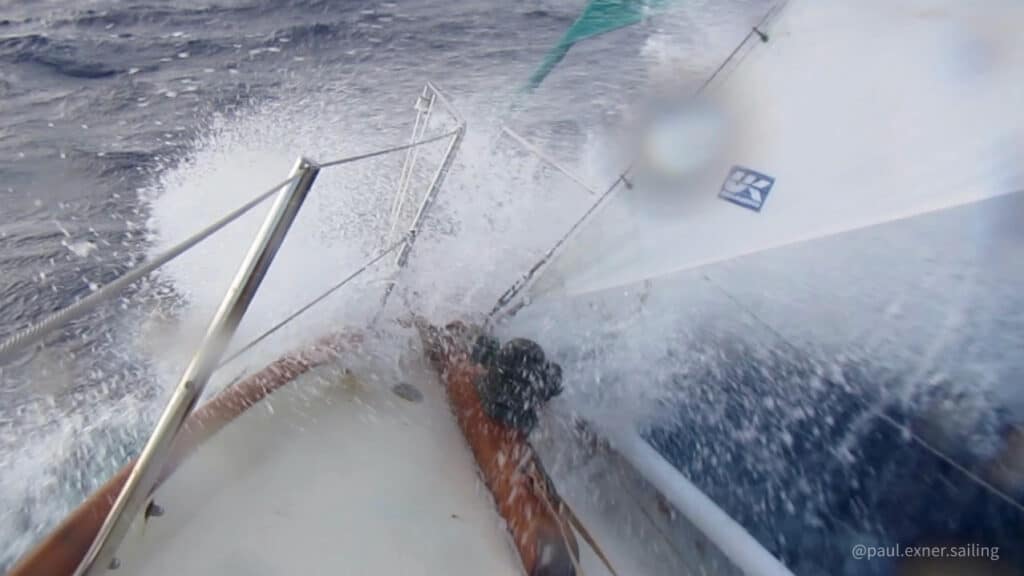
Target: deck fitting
[153,510]
[407,391]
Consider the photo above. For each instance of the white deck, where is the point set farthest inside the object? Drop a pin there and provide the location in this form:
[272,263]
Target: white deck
[333,474]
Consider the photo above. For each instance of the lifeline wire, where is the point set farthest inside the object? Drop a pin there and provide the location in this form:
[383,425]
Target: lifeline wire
[349,159]
[36,332]
[314,302]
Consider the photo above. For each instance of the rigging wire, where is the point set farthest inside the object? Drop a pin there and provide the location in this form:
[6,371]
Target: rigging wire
[544,157]
[350,159]
[526,279]
[313,302]
[754,31]
[974,477]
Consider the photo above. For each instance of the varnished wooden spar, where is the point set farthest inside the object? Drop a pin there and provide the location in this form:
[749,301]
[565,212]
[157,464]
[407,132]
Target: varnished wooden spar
[507,462]
[61,552]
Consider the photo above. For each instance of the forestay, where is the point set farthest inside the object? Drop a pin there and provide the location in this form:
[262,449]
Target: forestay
[841,116]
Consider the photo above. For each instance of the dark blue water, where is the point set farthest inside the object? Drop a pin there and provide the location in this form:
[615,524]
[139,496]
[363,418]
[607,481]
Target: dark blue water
[814,459]
[807,390]
[863,390]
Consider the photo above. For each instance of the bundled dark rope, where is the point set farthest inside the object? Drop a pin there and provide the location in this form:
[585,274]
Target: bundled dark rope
[519,380]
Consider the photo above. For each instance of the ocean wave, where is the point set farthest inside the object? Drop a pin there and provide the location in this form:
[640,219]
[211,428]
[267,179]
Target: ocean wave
[19,46]
[550,15]
[307,33]
[60,57]
[125,162]
[140,15]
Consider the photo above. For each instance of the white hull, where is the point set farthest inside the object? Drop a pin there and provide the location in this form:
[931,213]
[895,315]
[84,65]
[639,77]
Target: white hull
[334,473]
[322,468]
[331,474]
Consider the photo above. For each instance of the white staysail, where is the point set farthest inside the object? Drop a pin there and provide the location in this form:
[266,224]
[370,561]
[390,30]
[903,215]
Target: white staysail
[850,114]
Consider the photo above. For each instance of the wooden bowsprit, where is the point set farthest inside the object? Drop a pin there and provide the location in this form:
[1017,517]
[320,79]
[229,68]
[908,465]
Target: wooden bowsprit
[540,522]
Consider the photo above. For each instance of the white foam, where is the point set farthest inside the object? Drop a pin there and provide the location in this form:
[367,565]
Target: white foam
[494,214]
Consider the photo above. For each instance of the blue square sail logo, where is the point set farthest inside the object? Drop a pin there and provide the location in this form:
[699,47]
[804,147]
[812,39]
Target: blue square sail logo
[746,188]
